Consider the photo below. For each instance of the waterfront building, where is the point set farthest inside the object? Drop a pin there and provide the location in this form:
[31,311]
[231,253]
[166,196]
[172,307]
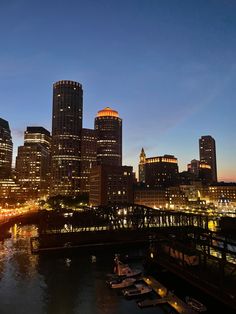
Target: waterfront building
[88,156]
[66,138]
[11,193]
[191,191]
[161,171]
[151,197]
[108,126]
[33,162]
[111,184]
[141,166]
[6,148]
[176,198]
[207,150]
[160,197]
[215,193]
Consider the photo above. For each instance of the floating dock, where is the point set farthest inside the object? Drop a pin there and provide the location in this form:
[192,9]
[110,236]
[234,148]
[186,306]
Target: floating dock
[150,303]
[166,297]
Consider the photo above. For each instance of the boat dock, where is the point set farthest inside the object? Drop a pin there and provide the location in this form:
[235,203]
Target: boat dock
[149,303]
[166,297]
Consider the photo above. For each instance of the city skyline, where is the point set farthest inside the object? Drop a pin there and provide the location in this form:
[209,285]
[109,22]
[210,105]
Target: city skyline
[168,68]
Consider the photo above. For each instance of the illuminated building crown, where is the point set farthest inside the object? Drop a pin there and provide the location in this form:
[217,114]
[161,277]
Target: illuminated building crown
[107,112]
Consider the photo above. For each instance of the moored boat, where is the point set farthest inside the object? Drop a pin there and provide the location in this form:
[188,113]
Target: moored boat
[139,290]
[195,304]
[124,270]
[127,282]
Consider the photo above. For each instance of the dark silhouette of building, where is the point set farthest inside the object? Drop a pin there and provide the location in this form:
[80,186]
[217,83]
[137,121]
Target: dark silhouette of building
[109,137]
[159,171]
[201,170]
[141,166]
[6,147]
[33,162]
[66,138]
[88,156]
[111,184]
[207,149]
[194,167]
[205,172]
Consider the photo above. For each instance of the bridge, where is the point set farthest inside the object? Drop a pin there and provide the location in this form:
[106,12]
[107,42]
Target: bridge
[119,217]
[117,224]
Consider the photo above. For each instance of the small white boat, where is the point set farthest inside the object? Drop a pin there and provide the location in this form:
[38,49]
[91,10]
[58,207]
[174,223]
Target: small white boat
[140,289]
[127,282]
[124,270]
[93,259]
[195,304]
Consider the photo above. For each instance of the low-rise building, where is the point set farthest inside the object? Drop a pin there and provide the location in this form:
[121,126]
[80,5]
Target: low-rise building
[111,184]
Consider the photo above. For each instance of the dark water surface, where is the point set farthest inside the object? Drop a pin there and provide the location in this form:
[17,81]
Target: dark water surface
[72,284]
[58,284]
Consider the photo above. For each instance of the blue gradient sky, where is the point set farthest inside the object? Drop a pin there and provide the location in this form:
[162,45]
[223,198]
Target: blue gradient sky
[167,66]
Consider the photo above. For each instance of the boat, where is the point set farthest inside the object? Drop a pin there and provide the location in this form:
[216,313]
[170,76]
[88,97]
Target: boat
[123,270]
[127,282]
[139,290]
[195,304]
[93,259]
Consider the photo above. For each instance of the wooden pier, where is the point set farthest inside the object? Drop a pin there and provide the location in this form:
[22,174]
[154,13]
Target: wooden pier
[166,297]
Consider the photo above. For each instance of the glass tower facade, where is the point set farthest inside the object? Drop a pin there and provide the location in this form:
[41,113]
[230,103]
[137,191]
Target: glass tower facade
[6,147]
[207,149]
[66,137]
[33,162]
[108,126]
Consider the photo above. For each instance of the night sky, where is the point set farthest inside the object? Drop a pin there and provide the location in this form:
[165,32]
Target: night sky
[167,66]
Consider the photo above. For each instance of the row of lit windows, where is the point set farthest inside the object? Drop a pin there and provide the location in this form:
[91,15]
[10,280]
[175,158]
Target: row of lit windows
[160,159]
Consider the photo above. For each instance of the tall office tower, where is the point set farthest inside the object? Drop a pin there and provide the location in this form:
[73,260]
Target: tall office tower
[141,166]
[5,150]
[66,138]
[207,149]
[33,162]
[109,132]
[88,156]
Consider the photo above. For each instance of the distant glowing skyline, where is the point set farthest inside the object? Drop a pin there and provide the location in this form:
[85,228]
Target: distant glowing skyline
[167,66]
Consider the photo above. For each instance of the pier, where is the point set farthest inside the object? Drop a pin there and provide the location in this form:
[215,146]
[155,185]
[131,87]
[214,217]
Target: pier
[166,297]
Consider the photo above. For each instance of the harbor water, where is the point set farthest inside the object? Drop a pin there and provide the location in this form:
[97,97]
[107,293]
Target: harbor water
[63,283]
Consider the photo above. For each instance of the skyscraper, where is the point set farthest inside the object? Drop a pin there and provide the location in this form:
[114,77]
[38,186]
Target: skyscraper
[207,150]
[66,137]
[88,156]
[33,162]
[109,137]
[5,150]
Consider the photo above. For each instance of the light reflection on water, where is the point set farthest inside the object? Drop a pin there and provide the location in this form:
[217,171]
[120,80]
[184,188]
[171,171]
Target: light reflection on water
[57,284]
